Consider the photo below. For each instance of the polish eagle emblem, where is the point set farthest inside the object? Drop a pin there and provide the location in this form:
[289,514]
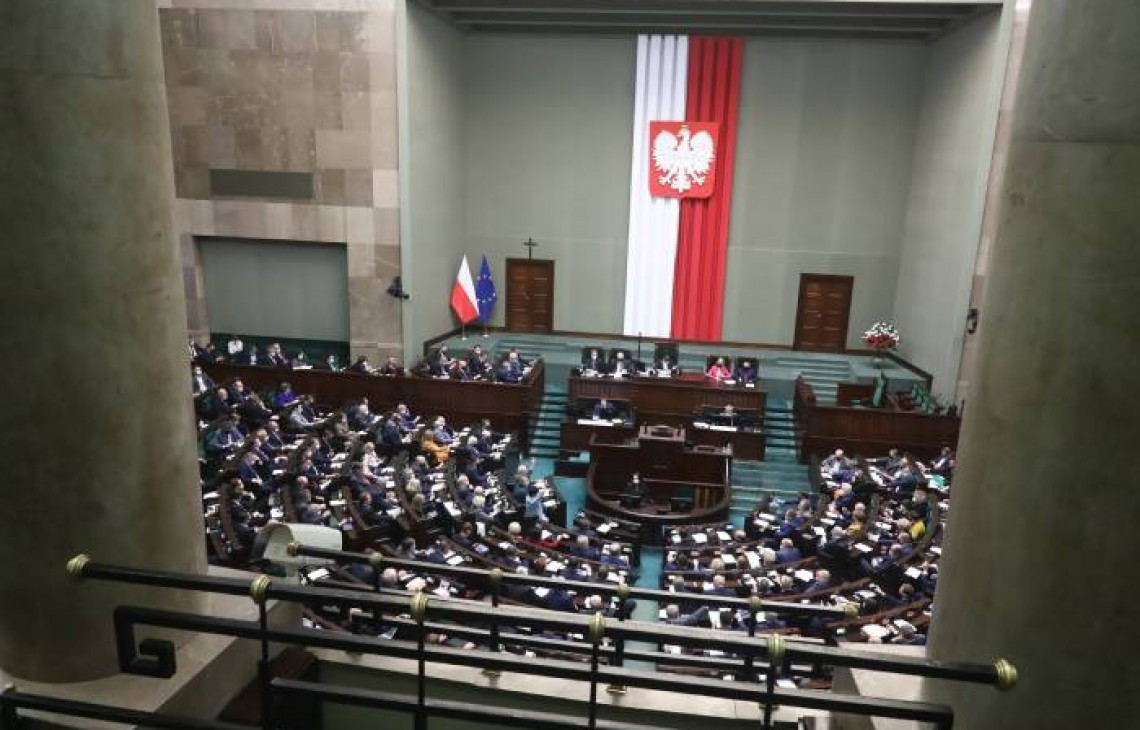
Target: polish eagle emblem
[683,159]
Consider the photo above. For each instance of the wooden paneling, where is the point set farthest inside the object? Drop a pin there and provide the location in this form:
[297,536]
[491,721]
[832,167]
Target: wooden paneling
[869,431]
[509,406]
[823,312]
[673,400]
[530,295]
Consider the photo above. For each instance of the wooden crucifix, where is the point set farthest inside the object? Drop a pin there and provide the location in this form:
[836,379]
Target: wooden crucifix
[530,243]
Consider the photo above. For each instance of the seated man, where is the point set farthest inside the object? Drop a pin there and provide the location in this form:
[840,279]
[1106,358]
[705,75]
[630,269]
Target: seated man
[442,433]
[329,363]
[665,367]
[837,464]
[392,368]
[673,616]
[745,372]
[788,552]
[606,410]
[199,381]
[479,366]
[593,362]
[361,366]
[620,367]
[718,370]
[406,420]
[457,370]
[300,362]
[508,374]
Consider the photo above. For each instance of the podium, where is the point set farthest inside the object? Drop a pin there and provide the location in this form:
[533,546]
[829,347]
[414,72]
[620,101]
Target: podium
[668,470]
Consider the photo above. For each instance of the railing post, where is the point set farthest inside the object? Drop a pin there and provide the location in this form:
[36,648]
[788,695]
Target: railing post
[754,605]
[419,615]
[8,716]
[619,642]
[496,578]
[376,560]
[258,591]
[776,649]
[596,631]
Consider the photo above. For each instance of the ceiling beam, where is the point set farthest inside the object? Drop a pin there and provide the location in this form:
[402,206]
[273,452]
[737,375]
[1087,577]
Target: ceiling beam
[767,31]
[720,21]
[712,7]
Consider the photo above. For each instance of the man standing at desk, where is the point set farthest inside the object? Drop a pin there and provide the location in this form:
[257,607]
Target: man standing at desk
[604,410]
[727,417]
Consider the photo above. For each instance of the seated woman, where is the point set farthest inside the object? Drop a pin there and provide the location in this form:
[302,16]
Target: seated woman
[284,395]
[438,452]
[718,370]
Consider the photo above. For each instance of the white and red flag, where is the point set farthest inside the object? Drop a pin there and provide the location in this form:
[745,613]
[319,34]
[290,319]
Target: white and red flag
[463,300]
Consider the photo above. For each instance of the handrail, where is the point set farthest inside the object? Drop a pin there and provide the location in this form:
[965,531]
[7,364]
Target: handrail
[485,577]
[771,653]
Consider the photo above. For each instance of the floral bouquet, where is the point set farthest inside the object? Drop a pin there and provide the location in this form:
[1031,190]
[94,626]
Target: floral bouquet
[881,337]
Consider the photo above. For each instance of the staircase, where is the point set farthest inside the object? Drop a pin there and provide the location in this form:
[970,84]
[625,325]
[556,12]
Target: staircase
[545,431]
[823,374]
[780,474]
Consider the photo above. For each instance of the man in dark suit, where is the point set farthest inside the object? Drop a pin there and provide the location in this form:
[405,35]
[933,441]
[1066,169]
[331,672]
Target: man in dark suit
[199,381]
[478,364]
[745,372]
[719,588]
[361,366]
[392,368]
[673,616]
[593,362]
[788,552]
[620,367]
[605,410]
[508,374]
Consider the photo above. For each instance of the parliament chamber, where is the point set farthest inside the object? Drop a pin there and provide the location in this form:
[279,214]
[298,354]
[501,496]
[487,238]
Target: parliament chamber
[638,365]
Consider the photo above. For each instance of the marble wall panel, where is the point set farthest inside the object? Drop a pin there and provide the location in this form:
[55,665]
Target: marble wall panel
[290,86]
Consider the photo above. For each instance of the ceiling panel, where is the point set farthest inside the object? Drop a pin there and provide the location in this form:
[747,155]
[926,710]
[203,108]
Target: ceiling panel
[907,21]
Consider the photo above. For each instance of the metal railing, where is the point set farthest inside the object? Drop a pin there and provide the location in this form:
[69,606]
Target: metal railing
[157,658]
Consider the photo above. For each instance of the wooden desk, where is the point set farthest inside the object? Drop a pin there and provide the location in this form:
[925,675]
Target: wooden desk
[578,436]
[510,406]
[668,400]
[667,468]
[869,430]
[744,444]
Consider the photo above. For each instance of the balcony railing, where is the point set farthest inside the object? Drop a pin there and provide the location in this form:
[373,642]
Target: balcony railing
[770,654]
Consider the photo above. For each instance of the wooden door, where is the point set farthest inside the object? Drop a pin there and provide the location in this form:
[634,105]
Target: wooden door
[530,295]
[823,311]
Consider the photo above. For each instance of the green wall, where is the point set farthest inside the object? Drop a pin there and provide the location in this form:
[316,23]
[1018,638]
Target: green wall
[823,163]
[951,165]
[276,288]
[549,127]
[433,178]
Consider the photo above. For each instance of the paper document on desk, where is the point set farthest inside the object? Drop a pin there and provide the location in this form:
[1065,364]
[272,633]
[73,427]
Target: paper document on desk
[603,529]
[700,538]
[542,592]
[753,557]
[804,575]
[723,536]
[455,560]
[730,429]
[863,547]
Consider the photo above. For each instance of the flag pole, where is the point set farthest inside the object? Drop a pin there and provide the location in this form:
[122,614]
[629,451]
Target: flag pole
[485,334]
[463,330]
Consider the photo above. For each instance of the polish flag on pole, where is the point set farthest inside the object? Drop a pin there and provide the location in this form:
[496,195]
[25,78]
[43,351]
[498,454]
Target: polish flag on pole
[463,300]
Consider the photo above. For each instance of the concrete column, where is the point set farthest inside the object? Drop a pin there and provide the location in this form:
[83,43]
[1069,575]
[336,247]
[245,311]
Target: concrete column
[97,432]
[1040,558]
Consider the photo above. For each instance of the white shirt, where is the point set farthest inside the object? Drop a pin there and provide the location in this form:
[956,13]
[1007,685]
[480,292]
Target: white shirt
[235,346]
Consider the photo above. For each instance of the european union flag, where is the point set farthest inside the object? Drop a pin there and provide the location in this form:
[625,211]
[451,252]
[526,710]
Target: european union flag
[485,292]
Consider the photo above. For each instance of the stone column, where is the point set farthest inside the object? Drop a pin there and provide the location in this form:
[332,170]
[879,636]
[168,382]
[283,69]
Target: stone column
[1041,553]
[97,432]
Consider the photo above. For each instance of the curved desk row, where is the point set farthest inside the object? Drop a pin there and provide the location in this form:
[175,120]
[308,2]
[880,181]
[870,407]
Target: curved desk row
[668,470]
[510,406]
